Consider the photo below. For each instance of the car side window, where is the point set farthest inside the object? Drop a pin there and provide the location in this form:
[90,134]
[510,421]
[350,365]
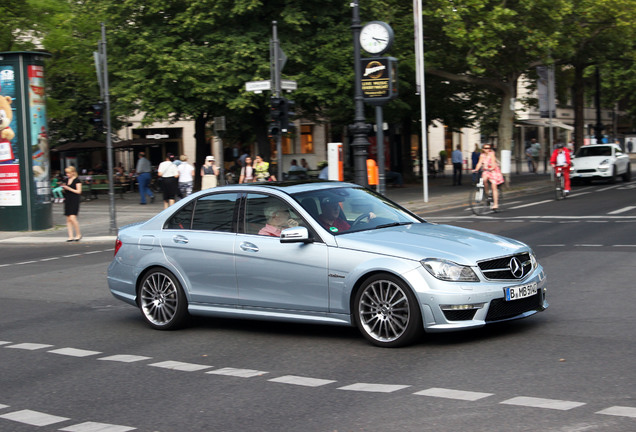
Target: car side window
[267,215]
[215,212]
[182,219]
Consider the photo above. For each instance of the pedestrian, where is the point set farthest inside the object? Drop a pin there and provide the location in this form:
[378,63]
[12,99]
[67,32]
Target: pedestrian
[56,188]
[535,150]
[186,177]
[458,160]
[261,170]
[475,160]
[247,172]
[144,177]
[209,171]
[630,146]
[72,194]
[169,174]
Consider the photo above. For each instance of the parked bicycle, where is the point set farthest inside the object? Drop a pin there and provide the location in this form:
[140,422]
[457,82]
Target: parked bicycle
[480,201]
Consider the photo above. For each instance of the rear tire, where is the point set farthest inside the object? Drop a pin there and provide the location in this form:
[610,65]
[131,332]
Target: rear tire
[628,174]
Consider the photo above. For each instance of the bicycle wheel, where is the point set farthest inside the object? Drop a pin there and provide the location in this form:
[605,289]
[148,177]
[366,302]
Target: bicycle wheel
[479,201]
[558,188]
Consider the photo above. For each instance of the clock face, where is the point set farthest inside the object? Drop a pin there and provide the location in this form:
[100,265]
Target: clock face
[376,37]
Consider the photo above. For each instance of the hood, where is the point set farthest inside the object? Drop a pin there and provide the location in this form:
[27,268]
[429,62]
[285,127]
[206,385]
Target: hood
[425,240]
[589,161]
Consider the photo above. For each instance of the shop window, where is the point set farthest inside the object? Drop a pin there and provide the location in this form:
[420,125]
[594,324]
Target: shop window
[285,143]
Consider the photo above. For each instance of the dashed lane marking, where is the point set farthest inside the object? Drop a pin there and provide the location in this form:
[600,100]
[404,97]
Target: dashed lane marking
[622,210]
[534,402]
[302,381]
[33,418]
[619,411]
[241,373]
[180,366]
[57,258]
[374,388]
[29,346]
[97,427]
[531,204]
[453,394]
[74,352]
[125,358]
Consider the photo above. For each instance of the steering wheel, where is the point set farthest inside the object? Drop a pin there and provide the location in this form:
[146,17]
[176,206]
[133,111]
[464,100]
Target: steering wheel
[360,218]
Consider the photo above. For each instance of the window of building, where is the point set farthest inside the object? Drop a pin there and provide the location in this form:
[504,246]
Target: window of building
[285,144]
[306,139]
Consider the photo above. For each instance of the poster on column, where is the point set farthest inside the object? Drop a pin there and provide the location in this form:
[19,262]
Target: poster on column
[39,136]
[10,193]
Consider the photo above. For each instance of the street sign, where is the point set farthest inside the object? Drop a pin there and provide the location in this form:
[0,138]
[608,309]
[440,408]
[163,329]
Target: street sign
[258,86]
[157,136]
[288,84]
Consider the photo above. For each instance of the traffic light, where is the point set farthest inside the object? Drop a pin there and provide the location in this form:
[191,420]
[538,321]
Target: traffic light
[288,111]
[97,118]
[275,116]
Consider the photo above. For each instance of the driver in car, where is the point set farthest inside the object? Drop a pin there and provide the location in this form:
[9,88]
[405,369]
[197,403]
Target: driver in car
[330,216]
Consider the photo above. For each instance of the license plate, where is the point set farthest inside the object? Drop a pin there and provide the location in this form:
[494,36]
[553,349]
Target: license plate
[520,291]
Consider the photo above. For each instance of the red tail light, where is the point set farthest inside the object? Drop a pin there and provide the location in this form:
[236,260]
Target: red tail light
[118,244]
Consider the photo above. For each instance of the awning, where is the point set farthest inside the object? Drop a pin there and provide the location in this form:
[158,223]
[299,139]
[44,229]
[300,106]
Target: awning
[78,146]
[544,122]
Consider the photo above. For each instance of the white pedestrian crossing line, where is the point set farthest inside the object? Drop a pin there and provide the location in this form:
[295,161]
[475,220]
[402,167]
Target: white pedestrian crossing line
[241,373]
[33,418]
[97,427]
[125,358]
[534,402]
[180,366]
[376,388]
[29,346]
[74,352]
[302,381]
[621,411]
[453,394]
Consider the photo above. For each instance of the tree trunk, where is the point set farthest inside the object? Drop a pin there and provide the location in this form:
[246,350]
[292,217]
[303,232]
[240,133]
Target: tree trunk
[202,147]
[506,122]
[579,106]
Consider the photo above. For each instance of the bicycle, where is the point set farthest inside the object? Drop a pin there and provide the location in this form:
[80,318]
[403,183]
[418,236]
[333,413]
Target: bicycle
[481,202]
[559,183]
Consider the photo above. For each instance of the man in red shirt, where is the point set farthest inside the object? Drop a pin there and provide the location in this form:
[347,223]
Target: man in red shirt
[561,161]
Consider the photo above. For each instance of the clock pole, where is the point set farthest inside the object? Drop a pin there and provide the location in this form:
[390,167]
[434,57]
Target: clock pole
[359,129]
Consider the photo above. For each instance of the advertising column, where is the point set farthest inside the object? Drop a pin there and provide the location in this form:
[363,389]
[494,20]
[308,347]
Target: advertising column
[25,192]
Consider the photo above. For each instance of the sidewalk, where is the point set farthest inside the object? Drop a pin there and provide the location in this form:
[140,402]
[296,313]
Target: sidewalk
[95,221]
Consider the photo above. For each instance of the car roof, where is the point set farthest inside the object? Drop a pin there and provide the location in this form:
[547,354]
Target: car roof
[293,186]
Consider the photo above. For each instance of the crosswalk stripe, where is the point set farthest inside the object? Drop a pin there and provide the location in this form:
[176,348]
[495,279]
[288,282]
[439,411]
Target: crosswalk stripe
[453,394]
[29,346]
[125,358]
[97,427]
[302,381]
[377,388]
[180,366]
[241,373]
[74,352]
[543,403]
[619,411]
[33,418]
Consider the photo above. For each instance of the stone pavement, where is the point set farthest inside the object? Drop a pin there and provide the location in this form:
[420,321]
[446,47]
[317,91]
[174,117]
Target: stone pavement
[95,222]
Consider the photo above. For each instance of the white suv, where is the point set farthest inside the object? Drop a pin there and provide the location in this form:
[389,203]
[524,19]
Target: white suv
[601,161]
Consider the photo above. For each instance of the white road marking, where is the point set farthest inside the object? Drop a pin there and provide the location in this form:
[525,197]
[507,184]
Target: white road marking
[74,352]
[29,346]
[623,210]
[453,394]
[3,406]
[33,418]
[530,204]
[125,358]
[97,427]
[376,388]
[302,381]
[551,245]
[619,411]
[533,402]
[241,373]
[180,366]
[587,245]
[620,245]
[4,342]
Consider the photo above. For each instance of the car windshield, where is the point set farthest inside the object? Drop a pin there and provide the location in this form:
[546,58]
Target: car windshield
[594,151]
[349,209]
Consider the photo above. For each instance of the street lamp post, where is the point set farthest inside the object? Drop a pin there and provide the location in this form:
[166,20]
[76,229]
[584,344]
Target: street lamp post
[359,129]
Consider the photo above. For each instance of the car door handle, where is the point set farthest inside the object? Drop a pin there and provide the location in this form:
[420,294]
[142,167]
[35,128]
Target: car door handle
[249,247]
[180,239]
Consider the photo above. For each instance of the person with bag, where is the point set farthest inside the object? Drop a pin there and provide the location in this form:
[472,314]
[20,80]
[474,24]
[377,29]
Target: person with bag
[169,175]
[209,171]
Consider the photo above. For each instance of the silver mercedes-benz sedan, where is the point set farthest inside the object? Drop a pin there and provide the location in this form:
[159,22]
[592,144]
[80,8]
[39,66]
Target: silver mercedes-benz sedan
[321,252]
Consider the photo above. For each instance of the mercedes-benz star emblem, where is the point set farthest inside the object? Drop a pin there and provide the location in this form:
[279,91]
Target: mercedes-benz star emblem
[516,268]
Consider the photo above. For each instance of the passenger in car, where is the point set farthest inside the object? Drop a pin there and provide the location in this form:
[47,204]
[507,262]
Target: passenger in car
[278,218]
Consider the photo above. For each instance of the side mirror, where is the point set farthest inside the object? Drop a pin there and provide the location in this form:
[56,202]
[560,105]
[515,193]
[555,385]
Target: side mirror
[295,235]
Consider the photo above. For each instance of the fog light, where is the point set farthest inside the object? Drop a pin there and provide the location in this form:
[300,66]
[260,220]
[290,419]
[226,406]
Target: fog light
[462,306]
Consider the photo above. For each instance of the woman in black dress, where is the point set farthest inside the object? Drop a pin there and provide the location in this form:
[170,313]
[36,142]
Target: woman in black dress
[72,195]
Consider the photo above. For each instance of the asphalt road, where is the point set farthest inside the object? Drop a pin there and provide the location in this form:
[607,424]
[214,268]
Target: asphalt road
[73,358]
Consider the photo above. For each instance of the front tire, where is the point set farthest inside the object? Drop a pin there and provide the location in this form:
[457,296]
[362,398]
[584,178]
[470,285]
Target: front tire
[386,312]
[628,174]
[162,301]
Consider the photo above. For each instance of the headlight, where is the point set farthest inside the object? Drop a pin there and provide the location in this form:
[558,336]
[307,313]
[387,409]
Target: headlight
[604,165]
[533,260]
[449,271]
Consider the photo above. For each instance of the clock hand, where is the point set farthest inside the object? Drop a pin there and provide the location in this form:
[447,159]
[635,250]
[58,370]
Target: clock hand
[379,39]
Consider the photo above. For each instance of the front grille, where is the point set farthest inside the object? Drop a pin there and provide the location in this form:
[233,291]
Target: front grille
[501,309]
[460,315]
[499,268]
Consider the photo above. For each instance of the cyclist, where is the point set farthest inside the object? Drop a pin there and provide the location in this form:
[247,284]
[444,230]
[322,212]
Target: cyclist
[491,173]
[561,161]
